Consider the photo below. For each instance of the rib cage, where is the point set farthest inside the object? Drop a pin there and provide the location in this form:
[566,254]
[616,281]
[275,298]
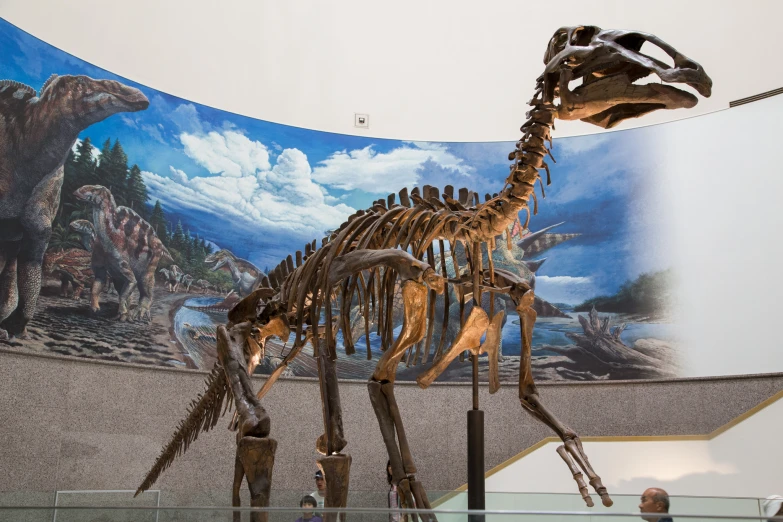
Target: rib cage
[421,218]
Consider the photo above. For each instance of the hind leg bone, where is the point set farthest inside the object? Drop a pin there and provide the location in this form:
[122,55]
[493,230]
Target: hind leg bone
[255,450]
[529,399]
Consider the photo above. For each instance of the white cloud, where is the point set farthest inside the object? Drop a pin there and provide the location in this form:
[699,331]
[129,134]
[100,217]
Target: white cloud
[565,289]
[249,192]
[130,122]
[96,152]
[152,130]
[229,153]
[563,280]
[185,116]
[178,175]
[154,133]
[332,200]
[385,172]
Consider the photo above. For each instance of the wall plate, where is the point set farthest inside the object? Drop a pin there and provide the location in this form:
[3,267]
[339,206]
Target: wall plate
[361,120]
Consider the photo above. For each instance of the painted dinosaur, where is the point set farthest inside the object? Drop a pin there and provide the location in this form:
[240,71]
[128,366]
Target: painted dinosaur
[187,280]
[219,309]
[86,232]
[243,264]
[72,266]
[172,277]
[36,133]
[131,250]
[204,285]
[244,274]
[375,247]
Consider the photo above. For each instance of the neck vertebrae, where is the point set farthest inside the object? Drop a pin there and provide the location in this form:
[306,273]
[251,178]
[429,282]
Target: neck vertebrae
[498,213]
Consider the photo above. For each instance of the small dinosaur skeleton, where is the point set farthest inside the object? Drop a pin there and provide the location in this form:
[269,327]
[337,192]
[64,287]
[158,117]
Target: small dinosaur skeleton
[310,295]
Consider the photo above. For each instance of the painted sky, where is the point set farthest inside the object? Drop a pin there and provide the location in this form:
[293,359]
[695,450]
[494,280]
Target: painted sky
[263,189]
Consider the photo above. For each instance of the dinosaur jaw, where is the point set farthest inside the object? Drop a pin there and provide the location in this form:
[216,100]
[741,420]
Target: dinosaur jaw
[135,102]
[610,100]
[609,65]
[104,98]
[122,98]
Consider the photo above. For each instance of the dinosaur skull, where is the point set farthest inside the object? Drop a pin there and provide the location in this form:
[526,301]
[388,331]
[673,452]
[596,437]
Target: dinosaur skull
[219,258]
[93,194]
[82,226]
[92,100]
[608,63]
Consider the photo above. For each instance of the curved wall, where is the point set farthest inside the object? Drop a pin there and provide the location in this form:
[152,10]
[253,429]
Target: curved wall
[645,213]
[73,424]
[440,71]
[636,223]
[734,463]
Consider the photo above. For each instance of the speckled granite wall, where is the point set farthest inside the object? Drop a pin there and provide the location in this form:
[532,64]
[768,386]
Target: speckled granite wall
[70,424]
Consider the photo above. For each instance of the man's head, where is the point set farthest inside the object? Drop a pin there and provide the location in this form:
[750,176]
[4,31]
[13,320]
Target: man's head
[654,500]
[320,483]
[308,504]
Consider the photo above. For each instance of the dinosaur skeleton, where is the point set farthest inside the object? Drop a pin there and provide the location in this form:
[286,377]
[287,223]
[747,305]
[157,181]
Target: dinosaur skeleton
[310,294]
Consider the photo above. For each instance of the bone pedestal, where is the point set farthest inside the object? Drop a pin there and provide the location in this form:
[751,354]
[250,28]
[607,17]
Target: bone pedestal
[255,459]
[336,470]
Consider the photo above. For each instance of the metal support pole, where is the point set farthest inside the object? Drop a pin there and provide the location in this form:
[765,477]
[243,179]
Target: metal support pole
[476,497]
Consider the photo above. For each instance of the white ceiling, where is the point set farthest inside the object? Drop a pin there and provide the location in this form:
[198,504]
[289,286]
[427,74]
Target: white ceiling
[438,70]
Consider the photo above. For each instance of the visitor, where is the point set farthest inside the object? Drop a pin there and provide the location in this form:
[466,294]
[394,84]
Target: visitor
[308,504]
[393,498]
[655,500]
[320,493]
[772,506]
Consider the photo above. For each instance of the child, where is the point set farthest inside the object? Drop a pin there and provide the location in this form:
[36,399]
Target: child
[308,504]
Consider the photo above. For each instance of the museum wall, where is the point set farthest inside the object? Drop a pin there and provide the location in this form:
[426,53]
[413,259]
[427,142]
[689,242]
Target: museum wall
[436,72]
[74,424]
[735,463]
[716,182]
[667,232]
[636,224]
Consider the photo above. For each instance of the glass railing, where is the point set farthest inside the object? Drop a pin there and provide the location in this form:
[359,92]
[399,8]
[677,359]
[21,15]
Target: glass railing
[553,502]
[363,506]
[228,514]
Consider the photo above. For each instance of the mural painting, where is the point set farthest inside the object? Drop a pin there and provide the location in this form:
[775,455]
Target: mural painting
[133,220]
